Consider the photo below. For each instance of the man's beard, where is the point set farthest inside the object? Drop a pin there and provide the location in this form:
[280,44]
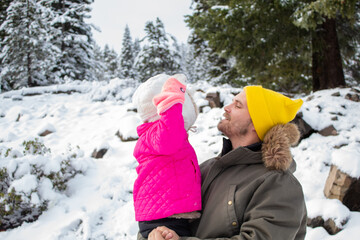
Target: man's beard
[229,130]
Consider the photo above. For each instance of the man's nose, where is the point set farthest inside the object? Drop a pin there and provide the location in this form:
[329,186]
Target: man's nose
[227,108]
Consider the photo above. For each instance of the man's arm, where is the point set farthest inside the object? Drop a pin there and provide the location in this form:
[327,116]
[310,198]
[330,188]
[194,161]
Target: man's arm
[276,211]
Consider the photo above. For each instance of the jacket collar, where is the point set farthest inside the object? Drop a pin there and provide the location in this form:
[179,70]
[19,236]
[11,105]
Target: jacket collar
[275,150]
[242,155]
[227,146]
[275,153]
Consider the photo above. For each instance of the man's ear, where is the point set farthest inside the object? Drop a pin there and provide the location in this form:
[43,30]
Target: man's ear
[253,131]
[252,127]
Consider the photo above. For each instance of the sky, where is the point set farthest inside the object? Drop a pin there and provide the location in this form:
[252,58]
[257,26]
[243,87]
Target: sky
[111,16]
[98,203]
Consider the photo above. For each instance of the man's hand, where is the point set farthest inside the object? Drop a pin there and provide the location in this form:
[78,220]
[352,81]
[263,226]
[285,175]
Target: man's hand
[163,233]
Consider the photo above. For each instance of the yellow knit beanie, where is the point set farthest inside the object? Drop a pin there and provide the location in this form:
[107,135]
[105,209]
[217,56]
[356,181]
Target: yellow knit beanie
[268,108]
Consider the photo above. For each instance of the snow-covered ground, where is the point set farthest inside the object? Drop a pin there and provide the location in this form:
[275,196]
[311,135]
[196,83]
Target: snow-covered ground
[98,204]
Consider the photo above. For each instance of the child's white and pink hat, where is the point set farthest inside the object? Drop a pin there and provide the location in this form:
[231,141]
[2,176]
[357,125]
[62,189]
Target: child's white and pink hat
[144,94]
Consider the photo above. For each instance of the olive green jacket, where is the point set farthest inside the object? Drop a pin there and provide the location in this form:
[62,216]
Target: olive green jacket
[250,194]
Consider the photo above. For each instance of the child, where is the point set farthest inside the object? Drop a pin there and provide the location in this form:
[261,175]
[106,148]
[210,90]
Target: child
[167,191]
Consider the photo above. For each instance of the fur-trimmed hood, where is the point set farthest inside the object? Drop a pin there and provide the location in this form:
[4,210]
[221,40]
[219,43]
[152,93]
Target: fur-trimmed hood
[276,152]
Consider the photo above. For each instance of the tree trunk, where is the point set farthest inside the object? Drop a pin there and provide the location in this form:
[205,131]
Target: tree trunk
[29,71]
[28,55]
[327,71]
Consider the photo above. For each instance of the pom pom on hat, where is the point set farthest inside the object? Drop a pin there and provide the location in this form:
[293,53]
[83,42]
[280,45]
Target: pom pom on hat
[268,108]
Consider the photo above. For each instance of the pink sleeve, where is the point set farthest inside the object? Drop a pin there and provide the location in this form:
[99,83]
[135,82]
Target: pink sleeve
[169,134]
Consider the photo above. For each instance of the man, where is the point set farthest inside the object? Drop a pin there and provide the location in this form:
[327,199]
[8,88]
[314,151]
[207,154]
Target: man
[249,191]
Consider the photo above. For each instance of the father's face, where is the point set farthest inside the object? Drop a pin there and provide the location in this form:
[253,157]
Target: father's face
[237,121]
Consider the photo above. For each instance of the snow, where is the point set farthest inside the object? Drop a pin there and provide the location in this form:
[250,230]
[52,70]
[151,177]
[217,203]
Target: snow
[25,184]
[46,126]
[220,7]
[128,124]
[348,159]
[329,208]
[98,203]
[46,190]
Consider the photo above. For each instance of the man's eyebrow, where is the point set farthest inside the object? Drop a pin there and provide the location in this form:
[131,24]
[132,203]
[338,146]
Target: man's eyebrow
[239,102]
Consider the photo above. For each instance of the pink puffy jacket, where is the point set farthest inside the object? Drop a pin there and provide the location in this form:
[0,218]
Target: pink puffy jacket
[169,180]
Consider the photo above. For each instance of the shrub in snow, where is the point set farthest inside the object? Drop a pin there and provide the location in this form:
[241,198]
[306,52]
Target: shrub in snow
[120,90]
[31,179]
[34,147]
[14,208]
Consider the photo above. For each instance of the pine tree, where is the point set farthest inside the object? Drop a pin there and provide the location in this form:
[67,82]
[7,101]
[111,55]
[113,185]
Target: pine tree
[212,66]
[136,47]
[250,35]
[155,57]
[100,68]
[197,62]
[349,40]
[127,55]
[175,51]
[320,17]
[27,53]
[4,4]
[111,61]
[262,39]
[74,38]
[136,51]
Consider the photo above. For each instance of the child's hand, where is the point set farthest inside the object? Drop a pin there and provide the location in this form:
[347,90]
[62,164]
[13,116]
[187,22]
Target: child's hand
[155,235]
[172,92]
[163,233]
